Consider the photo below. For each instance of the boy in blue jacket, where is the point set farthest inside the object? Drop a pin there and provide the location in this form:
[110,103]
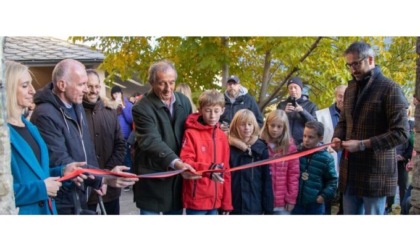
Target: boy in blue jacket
[318,178]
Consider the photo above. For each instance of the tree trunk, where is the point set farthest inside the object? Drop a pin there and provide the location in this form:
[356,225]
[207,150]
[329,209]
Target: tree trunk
[265,102]
[7,199]
[415,193]
[266,76]
[225,67]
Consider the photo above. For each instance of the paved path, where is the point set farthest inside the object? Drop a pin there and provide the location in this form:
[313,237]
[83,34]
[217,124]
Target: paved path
[127,206]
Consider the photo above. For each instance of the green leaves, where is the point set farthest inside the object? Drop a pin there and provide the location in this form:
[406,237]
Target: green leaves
[262,63]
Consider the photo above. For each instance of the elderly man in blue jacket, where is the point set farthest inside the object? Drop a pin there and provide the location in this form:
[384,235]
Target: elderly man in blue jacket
[61,120]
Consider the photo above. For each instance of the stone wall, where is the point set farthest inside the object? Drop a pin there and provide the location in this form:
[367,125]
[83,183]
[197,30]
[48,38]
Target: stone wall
[7,199]
[415,193]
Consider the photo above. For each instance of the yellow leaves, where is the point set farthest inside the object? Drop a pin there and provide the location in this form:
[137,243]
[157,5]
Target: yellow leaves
[200,61]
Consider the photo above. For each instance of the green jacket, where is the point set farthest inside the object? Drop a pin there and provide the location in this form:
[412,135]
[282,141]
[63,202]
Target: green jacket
[159,137]
[322,179]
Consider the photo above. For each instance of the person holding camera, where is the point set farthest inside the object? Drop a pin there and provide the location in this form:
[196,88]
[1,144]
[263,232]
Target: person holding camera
[298,108]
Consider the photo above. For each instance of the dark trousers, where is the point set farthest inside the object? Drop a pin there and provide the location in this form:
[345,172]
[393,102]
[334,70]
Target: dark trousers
[340,209]
[72,211]
[127,159]
[312,209]
[405,203]
[328,204]
[111,207]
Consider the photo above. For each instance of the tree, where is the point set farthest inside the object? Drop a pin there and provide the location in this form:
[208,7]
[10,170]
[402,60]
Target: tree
[264,64]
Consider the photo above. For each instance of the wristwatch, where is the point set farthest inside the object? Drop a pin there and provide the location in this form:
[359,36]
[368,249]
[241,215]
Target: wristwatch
[362,146]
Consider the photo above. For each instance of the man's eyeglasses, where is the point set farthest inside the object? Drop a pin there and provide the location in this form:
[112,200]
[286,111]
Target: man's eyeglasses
[355,64]
[231,83]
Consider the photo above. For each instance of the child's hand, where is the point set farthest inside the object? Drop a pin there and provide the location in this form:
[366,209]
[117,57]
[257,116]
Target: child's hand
[336,144]
[289,207]
[320,199]
[330,150]
[225,127]
[217,178]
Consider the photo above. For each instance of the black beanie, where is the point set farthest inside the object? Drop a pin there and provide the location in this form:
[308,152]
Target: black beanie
[297,81]
[115,89]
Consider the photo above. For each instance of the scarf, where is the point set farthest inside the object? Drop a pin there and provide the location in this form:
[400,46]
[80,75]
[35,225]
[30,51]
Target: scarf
[243,146]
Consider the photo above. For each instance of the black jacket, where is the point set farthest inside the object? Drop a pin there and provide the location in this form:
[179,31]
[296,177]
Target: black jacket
[108,140]
[245,101]
[159,140]
[67,140]
[297,120]
[252,191]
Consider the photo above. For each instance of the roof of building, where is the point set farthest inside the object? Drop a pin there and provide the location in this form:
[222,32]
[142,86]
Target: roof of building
[47,51]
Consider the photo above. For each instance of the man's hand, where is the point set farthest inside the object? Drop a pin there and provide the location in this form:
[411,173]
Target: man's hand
[101,191]
[120,182]
[69,168]
[289,108]
[351,145]
[189,172]
[298,108]
[336,144]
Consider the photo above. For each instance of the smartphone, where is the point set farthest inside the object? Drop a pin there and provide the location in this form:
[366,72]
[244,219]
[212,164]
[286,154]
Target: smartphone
[293,101]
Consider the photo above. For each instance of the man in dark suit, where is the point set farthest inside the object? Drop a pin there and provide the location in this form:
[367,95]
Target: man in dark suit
[159,119]
[373,122]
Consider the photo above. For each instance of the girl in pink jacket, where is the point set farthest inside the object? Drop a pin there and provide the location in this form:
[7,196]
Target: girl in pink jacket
[284,174]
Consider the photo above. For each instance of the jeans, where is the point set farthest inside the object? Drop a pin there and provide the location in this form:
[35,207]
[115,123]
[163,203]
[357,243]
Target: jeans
[201,212]
[406,202]
[313,209]
[353,204]
[174,212]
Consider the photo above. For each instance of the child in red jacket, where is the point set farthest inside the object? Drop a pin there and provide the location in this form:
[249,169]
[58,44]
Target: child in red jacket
[205,146]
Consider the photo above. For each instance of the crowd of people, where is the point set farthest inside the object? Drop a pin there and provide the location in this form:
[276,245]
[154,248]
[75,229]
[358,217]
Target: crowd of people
[365,131]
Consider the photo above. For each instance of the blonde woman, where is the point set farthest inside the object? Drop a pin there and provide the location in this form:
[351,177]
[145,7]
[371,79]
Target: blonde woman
[34,183]
[186,90]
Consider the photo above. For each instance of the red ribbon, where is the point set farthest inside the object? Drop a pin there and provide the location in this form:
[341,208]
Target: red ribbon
[166,174]
[94,171]
[282,158]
